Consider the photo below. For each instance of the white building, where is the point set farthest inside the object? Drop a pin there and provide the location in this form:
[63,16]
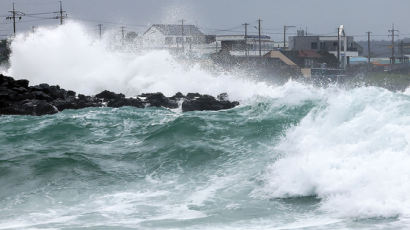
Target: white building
[239,45]
[173,36]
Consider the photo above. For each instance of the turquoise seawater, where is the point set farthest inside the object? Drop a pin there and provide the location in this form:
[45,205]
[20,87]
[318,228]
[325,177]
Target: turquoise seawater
[271,163]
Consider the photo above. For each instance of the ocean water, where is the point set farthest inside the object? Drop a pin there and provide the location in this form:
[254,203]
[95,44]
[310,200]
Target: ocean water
[291,156]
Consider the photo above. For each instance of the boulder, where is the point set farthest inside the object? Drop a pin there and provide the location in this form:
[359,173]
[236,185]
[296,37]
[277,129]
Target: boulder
[22,83]
[18,98]
[40,95]
[158,100]
[133,102]
[206,102]
[192,95]
[63,104]
[178,96]
[108,95]
[38,108]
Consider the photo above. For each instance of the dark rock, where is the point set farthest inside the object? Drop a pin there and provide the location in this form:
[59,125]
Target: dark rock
[159,100]
[193,95]
[222,97]
[4,104]
[18,98]
[44,86]
[206,102]
[87,101]
[108,95]
[41,96]
[38,108]
[55,92]
[25,96]
[71,93]
[82,97]
[63,104]
[178,96]
[20,89]
[7,94]
[134,102]
[22,83]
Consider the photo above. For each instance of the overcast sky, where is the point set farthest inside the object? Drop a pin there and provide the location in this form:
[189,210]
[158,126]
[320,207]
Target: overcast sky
[225,16]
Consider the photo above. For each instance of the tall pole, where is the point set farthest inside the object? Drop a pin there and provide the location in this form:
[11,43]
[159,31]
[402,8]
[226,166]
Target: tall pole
[402,51]
[259,33]
[123,34]
[392,31]
[14,20]
[100,30]
[284,35]
[15,14]
[61,13]
[182,31]
[368,47]
[246,38]
[338,46]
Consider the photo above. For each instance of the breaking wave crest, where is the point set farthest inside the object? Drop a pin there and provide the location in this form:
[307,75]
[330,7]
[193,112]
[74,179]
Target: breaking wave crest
[352,151]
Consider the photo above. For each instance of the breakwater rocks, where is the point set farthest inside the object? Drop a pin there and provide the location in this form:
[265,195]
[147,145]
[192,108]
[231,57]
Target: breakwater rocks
[18,98]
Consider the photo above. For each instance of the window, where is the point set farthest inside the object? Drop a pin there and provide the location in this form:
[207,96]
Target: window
[322,46]
[180,39]
[308,62]
[334,43]
[313,46]
[169,40]
[188,40]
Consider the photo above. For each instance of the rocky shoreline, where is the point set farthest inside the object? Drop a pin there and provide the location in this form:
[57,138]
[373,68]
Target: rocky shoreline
[18,98]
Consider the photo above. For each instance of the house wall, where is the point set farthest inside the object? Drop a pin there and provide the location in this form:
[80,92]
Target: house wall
[153,38]
[156,39]
[319,43]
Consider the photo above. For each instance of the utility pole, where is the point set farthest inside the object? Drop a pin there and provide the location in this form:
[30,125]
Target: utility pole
[402,51]
[368,47]
[100,30]
[182,31]
[61,17]
[285,27]
[14,20]
[259,33]
[246,38]
[15,14]
[393,59]
[123,35]
[338,46]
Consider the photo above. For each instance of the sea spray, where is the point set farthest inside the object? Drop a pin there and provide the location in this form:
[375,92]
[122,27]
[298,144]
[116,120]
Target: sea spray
[70,57]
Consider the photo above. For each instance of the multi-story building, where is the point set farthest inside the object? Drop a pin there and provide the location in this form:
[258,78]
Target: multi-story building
[324,44]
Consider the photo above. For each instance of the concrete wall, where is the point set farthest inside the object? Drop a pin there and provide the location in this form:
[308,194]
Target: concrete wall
[323,43]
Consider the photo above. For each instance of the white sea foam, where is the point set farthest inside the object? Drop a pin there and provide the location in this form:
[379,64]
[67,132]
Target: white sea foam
[353,152]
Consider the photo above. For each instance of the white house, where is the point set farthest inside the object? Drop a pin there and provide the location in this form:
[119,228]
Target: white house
[172,36]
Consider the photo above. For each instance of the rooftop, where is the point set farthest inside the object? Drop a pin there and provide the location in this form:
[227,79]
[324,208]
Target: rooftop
[177,30]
